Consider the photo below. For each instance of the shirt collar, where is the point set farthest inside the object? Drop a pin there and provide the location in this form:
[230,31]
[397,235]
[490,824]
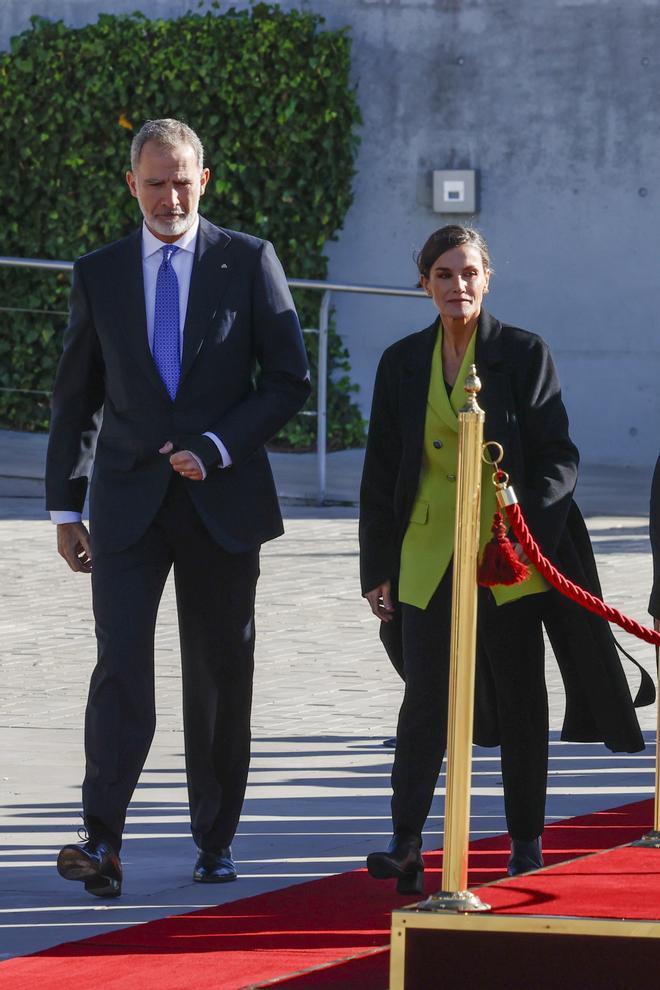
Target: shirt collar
[151,244]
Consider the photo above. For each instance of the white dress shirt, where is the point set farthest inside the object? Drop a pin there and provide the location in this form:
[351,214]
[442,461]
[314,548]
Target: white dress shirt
[182,263]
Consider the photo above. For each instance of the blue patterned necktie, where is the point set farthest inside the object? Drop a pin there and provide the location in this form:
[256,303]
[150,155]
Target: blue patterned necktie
[166,322]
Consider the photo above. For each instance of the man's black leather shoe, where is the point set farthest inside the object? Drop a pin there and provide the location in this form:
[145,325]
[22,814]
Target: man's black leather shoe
[402,861]
[525,856]
[97,864]
[215,867]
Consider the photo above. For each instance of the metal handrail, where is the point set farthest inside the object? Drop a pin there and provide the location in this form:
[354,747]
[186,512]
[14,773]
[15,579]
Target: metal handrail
[62,266]
[294,283]
[327,288]
[378,290]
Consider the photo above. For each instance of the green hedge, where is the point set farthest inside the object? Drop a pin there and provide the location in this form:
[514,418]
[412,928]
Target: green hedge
[268,91]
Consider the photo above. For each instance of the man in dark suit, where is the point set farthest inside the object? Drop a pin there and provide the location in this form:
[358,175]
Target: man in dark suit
[654,529]
[183,355]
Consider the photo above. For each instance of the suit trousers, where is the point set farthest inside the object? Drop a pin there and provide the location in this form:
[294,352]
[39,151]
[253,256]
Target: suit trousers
[215,593]
[510,643]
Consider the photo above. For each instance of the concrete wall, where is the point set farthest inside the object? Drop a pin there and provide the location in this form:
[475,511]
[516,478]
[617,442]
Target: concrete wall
[555,102]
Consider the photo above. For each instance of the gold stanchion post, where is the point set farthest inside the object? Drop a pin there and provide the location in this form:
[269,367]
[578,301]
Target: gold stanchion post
[454,896]
[652,839]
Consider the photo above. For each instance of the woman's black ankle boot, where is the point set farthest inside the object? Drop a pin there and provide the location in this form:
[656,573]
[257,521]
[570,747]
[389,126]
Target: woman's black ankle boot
[402,861]
[526,855]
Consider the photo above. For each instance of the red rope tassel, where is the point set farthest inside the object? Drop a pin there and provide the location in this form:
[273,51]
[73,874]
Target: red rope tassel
[567,588]
[500,563]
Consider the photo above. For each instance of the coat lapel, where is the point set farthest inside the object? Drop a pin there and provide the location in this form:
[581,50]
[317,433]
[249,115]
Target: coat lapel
[495,390]
[415,379]
[413,397]
[437,393]
[416,375]
[209,279]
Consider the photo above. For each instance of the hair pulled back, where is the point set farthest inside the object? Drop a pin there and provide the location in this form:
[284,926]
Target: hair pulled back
[446,238]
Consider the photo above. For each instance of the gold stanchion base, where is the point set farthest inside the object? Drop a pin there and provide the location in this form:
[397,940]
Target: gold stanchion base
[650,841]
[453,900]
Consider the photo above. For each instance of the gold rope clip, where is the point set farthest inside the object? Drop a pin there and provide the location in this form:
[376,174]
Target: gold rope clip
[500,478]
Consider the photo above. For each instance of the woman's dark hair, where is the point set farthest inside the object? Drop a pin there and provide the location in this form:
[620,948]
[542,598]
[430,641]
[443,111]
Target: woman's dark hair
[446,238]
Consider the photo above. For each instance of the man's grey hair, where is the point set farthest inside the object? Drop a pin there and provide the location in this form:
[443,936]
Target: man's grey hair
[169,133]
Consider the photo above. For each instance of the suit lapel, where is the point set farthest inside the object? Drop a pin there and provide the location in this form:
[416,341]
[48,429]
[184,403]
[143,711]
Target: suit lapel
[130,292]
[414,382]
[209,279]
[416,374]
[437,393]
[489,360]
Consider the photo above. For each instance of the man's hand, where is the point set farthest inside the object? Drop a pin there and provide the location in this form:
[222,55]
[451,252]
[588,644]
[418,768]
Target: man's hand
[380,599]
[183,462]
[73,544]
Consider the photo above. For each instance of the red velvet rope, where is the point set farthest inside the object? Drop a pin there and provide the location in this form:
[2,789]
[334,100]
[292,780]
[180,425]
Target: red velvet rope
[566,587]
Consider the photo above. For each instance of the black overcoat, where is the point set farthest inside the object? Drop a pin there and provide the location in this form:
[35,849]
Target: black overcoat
[654,529]
[525,413]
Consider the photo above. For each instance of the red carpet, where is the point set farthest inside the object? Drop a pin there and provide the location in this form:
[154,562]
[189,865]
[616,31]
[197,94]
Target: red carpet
[320,935]
[613,884]
[593,922]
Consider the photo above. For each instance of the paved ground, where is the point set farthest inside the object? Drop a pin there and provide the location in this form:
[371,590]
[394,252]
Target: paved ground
[318,796]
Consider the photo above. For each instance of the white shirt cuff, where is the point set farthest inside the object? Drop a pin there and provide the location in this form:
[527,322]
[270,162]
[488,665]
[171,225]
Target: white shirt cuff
[224,453]
[200,463]
[59,516]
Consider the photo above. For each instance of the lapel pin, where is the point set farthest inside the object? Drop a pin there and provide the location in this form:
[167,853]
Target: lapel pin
[223,266]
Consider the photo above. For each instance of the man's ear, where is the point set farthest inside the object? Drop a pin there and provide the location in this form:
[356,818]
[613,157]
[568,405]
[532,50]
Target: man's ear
[132,185]
[204,178]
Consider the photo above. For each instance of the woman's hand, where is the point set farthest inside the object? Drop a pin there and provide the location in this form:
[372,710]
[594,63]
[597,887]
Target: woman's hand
[380,600]
[520,553]
[656,624]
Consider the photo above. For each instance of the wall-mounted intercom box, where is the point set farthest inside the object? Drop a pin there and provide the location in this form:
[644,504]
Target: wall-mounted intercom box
[454,191]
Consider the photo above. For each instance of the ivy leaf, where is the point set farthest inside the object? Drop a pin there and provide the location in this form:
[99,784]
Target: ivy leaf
[269,93]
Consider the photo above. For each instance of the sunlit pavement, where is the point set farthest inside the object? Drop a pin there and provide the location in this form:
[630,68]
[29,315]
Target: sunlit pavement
[325,697]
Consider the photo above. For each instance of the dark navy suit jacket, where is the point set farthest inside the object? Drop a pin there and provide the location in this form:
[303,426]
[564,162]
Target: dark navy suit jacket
[244,374]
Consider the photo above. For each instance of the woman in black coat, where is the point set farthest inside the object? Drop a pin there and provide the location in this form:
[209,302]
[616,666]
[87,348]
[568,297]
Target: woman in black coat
[654,529]
[406,527]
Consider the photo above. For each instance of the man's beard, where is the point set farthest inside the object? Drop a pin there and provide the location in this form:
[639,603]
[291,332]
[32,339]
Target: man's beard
[172,226]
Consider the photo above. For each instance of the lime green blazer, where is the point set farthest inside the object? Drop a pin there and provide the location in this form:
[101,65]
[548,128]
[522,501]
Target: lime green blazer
[428,543]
